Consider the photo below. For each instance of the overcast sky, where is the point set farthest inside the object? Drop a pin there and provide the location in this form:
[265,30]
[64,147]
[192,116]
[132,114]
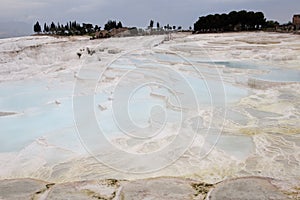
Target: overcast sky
[138,12]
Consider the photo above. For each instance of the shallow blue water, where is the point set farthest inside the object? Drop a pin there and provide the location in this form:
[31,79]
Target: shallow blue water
[37,112]
[273,73]
[46,107]
[280,75]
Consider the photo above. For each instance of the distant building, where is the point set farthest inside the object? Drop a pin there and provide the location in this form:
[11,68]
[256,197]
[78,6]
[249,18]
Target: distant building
[117,32]
[296,21]
[101,34]
[123,32]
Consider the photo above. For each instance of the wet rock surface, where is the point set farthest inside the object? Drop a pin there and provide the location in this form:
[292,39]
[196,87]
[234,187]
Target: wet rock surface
[156,188]
[164,188]
[84,190]
[3,114]
[246,189]
[21,189]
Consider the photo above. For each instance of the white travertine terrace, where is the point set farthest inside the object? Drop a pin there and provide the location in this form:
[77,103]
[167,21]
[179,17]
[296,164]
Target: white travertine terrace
[260,74]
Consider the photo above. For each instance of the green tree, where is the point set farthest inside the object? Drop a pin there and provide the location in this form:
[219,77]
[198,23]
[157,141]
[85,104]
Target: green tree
[97,28]
[37,28]
[46,28]
[234,21]
[271,24]
[151,23]
[260,19]
[119,25]
[110,25]
[52,27]
[86,28]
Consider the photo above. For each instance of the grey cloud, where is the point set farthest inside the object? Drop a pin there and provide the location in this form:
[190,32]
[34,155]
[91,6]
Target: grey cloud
[137,12]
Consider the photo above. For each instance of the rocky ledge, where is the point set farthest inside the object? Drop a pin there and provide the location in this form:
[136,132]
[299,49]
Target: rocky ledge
[3,114]
[157,188]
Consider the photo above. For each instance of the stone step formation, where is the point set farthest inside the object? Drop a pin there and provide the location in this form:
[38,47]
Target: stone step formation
[254,188]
